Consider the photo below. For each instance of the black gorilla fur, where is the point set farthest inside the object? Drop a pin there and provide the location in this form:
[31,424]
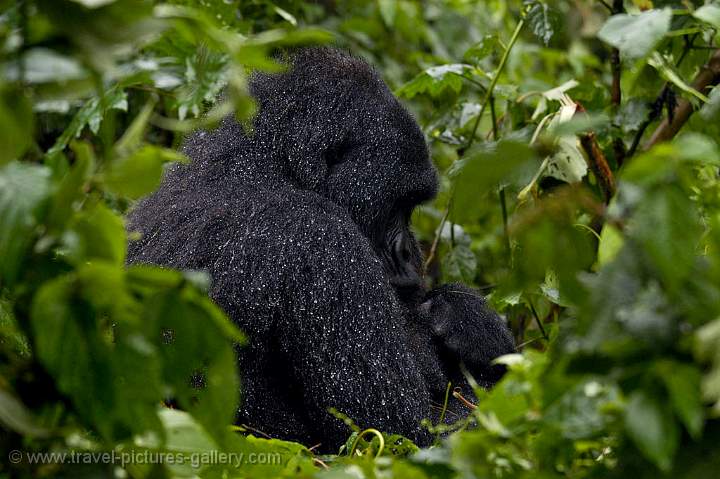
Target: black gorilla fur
[304,228]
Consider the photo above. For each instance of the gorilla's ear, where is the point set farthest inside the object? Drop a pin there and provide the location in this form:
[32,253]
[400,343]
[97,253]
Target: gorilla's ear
[307,159]
[317,151]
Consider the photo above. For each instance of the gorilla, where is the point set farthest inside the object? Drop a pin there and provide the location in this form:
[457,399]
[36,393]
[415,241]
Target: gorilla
[303,226]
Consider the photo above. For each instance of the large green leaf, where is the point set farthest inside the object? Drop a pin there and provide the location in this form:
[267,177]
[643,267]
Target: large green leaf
[636,35]
[667,225]
[653,429]
[543,20]
[68,343]
[709,13]
[140,173]
[683,385]
[24,189]
[483,170]
[16,124]
[98,233]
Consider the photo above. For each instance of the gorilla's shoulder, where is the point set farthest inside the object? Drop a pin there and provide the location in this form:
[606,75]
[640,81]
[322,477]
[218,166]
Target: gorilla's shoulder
[304,225]
[288,238]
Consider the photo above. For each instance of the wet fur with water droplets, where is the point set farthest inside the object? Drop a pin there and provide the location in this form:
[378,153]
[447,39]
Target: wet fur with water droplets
[303,228]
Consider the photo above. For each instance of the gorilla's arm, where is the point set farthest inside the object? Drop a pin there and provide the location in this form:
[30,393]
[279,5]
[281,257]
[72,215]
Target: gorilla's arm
[350,339]
[468,331]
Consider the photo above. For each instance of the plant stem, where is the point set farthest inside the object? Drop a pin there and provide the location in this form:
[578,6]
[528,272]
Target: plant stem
[708,76]
[493,82]
[506,231]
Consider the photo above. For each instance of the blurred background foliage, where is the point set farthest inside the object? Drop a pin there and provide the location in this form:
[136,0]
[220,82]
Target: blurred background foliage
[577,145]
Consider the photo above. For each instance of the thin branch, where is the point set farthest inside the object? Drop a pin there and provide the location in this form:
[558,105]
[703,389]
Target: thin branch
[458,395]
[598,164]
[471,80]
[596,161]
[486,100]
[506,230]
[493,82]
[538,320]
[436,241]
[708,76]
[493,118]
[656,107]
[615,91]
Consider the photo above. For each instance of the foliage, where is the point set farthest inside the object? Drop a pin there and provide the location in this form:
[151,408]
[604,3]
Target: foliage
[599,244]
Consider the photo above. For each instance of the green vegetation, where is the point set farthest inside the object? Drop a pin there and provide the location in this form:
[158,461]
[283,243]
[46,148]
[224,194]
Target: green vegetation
[578,148]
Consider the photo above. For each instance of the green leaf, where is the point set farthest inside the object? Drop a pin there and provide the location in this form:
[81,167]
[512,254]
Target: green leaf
[42,65]
[652,428]
[709,14]
[611,242]
[636,35]
[692,146]
[667,226]
[711,110]
[198,359]
[68,344]
[70,190]
[683,384]
[460,264]
[707,348]
[140,173]
[186,436]
[483,169]
[668,72]
[485,47]
[16,125]
[91,114]
[632,115]
[437,80]
[581,411]
[388,10]
[24,189]
[98,233]
[133,136]
[542,21]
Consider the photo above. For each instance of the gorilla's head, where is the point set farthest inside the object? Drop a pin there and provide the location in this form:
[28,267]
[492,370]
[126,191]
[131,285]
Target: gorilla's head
[335,128]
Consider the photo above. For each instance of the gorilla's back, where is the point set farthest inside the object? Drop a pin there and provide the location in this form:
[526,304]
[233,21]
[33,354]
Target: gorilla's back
[258,238]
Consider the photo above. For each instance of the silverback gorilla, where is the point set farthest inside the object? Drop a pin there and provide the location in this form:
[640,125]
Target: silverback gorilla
[303,226]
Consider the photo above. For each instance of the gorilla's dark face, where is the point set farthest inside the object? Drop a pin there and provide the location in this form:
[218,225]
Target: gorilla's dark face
[384,161]
[350,140]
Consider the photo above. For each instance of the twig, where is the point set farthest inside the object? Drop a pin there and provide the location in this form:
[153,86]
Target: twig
[615,92]
[436,241]
[598,164]
[619,150]
[597,161]
[486,100]
[506,231]
[493,82]
[709,75]
[656,107]
[457,394]
[320,463]
[538,320]
[493,118]
[256,431]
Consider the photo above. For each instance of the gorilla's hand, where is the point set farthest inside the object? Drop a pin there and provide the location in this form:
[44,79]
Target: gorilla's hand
[468,329]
